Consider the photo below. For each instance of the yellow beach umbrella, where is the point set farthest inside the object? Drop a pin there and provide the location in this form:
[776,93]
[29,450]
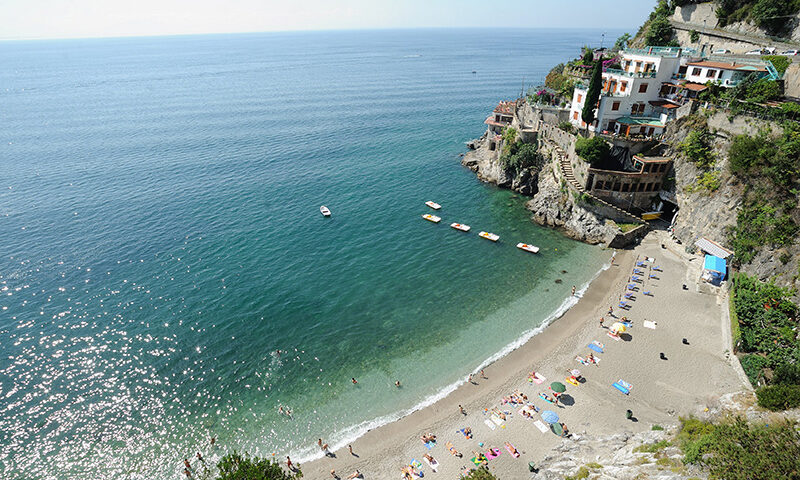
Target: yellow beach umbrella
[618,327]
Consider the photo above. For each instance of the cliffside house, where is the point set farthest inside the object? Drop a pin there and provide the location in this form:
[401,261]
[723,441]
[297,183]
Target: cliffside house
[628,182]
[501,117]
[726,74]
[627,92]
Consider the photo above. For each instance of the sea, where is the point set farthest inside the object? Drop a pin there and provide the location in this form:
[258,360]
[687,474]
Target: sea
[166,275]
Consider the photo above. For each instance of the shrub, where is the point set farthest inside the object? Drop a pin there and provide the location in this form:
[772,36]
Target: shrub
[752,366]
[697,148]
[694,37]
[594,150]
[235,466]
[652,447]
[520,156]
[779,397]
[582,473]
[656,427]
[787,375]
[622,42]
[566,126]
[770,15]
[743,153]
[708,181]
[481,473]
[780,62]
[763,90]
[759,224]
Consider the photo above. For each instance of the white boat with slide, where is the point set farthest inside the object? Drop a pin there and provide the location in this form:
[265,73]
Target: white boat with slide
[324,211]
[528,248]
[489,236]
[460,226]
[431,218]
[433,205]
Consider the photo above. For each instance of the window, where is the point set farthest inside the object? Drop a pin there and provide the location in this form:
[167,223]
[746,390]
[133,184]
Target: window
[615,187]
[574,115]
[641,187]
[657,186]
[580,97]
[615,106]
[643,88]
[649,187]
[711,73]
[625,187]
[696,71]
[623,86]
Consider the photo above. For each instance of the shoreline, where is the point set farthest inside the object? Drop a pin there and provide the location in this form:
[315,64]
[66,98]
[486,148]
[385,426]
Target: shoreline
[443,393]
[662,391]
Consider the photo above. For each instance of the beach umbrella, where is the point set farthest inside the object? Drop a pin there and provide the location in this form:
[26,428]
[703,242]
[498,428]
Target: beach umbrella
[549,416]
[557,428]
[618,327]
[558,387]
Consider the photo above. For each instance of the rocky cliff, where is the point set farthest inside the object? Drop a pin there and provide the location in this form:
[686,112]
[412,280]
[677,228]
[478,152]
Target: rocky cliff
[487,166]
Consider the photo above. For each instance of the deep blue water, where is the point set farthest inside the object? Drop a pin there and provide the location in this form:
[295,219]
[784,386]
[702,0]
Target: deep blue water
[160,240]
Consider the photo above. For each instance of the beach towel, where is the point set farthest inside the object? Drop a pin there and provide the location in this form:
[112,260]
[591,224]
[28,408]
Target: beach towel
[497,420]
[615,337]
[581,360]
[544,397]
[489,424]
[649,324]
[625,384]
[620,388]
[572,381]
[627,324]
[414,463]
[431,444]
[477,461]
[511,449]
[540,426]
[595,347]
[538,379]
[493,453]
[434,465]
[464,432]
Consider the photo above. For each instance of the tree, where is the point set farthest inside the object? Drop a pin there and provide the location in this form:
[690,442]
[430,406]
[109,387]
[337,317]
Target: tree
[235,466]
[481,473]
[588,55]
[771,15]
[622,42]
[593,93]
[660,33]
[694,36]
[594,150]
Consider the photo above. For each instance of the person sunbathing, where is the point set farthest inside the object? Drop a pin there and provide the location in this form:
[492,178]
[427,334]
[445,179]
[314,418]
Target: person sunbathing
[453,450]
[512,449]
[468,433]
[429,458]
[355,474]
[546,397]
[590,359]
[426,439]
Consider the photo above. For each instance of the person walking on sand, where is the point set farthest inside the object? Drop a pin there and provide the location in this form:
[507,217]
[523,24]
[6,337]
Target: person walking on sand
[289,463]
[611,311]
[350,449]
[601,321]
[469,378]
[483,375]
[461,410]
[319,442]
[333,474]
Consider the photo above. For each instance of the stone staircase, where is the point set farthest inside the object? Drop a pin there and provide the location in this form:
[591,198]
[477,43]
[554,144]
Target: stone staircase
[569,176]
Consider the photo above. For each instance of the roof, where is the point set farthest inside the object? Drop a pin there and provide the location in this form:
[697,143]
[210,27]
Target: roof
[505,107]
[491,121]
[652,159]
[664,104]
[650,121]
[712,247]
[715,264]
[727,66]
[696,87]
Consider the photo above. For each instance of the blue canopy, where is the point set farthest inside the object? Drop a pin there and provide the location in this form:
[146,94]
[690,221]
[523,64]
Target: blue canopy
[715,264]
[549,416]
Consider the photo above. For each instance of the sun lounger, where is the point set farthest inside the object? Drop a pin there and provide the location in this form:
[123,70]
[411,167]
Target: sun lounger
[595,347]
[649,324]
[638,272]
[641,264]
[623,304]
[511,450]
[540,426]
[632,286]
[648,292]
[657,269]
[434,465]
[493,453]
[620,388]
[489,424]
[629,295]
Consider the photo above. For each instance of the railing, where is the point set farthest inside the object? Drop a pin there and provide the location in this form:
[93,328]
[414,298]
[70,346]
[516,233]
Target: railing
[678,76]
[657,51]
[617,71]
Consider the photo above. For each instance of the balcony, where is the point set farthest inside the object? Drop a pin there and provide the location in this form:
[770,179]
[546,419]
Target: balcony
[617,71]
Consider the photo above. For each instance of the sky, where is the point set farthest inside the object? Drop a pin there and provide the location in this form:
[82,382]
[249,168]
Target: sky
[28,19]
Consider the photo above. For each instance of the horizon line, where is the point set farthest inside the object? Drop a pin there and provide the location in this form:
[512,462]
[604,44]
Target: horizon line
[159,35]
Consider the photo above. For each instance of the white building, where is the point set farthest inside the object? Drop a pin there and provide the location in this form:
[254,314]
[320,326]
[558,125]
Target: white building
[727,74]
[625,101]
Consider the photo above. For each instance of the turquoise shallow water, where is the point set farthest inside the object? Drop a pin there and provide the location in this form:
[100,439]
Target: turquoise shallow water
[160,240]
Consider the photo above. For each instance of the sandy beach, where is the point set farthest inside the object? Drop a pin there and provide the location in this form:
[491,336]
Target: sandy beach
[681,382]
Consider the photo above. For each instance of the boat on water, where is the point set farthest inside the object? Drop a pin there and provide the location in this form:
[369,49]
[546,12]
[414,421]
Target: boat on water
[460,226]
[528,248]
[433,205]
[324,211]
[489,236]
[431,218]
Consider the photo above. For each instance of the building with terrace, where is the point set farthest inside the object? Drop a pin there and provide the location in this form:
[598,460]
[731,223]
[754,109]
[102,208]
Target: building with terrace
[726,74]
[627,92]
[501,117]
[631,182]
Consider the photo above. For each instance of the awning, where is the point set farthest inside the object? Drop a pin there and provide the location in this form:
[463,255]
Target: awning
[713,248]
[715,264]
[663,104]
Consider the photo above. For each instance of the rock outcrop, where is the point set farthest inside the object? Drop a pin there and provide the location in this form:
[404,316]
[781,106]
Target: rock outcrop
[486,165]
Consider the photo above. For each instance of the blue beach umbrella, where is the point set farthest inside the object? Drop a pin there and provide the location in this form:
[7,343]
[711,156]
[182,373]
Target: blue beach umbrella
[549,416]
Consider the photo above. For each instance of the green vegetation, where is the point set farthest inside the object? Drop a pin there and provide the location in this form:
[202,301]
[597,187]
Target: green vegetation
[627,227]
[768,323]
[694,37]
[560,83]
[771,15]
[588,55]
[481,473]
[594,465]
[697,148]
[780,62]
[567,127]
[593,93]
[760,224]
[235,466]
[656,427]
[707,182]
[519,156]
[737,450]
[659,30]
[621,42]
[593,150]
[582,473]
[652,447]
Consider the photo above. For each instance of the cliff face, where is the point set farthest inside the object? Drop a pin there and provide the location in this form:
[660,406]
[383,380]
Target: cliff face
[712,214]
[486,165]
[704,14]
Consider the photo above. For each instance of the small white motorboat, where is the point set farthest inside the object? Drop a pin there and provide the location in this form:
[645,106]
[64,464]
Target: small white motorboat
[433,205]
[460,226]
[324,211]
[431,218]
[489,236]
[528,248]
